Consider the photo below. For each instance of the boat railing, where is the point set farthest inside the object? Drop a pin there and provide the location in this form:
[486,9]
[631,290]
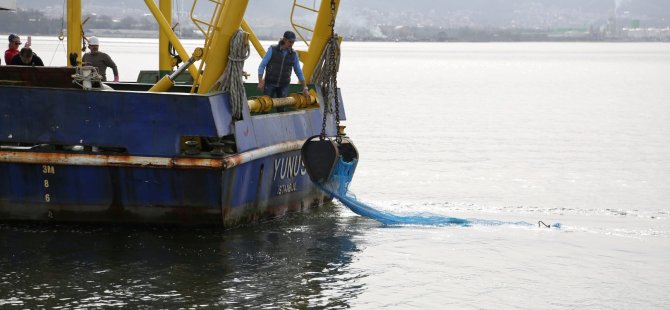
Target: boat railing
[201,23]
[297,26]
[54,77]
[209,33]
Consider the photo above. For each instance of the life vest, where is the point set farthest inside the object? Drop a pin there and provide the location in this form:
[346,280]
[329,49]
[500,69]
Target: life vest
[279,68]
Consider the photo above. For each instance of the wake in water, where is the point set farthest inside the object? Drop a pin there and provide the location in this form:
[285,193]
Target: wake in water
[338,187]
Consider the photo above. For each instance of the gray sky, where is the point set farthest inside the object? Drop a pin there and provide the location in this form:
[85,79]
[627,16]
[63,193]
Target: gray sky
[450,13]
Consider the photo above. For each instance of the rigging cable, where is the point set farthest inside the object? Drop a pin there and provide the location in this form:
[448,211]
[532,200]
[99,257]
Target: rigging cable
[61,36]
[171,49]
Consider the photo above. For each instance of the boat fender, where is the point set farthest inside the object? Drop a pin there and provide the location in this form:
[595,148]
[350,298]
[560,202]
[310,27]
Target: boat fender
[319,156]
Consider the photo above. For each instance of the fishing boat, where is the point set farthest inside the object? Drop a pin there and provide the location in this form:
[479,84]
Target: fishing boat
[74,148]
[7,4]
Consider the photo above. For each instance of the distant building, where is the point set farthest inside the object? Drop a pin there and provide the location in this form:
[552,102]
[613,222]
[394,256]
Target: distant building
[611,30]
[647,34]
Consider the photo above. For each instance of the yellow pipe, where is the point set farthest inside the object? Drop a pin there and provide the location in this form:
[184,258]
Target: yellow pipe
[165,83]
[254,40]
[164,57]
[320,38]
[74,31]
[165,27]
[297,100]
[162,85]
[216,57]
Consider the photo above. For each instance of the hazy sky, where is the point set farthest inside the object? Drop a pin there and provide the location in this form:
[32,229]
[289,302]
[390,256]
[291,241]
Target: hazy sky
[270,6]
[491,12]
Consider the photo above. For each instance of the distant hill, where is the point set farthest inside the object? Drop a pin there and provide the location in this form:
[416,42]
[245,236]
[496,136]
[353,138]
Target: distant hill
[487,9]
[660,8]
[441,20]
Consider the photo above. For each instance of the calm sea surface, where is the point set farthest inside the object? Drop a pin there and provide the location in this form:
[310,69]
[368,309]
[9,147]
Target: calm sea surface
[576,133]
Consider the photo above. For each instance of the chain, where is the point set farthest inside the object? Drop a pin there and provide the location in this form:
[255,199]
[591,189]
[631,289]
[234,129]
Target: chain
[333,69]
[323,125]
[330,84]
[334,91]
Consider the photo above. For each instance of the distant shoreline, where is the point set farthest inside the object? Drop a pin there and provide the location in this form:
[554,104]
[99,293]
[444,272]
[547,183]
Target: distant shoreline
[527,25]
[151,34]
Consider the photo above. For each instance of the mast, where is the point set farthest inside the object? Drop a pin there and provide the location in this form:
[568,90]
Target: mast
[74,32]
[164,58]
[172,37]
[216,53]
[320,37]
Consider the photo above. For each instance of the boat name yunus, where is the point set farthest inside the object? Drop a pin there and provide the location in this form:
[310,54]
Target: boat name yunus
[289,167]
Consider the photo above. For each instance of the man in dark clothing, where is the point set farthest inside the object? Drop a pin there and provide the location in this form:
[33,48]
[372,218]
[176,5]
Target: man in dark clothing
[277,65]
[26,58]
[100,60]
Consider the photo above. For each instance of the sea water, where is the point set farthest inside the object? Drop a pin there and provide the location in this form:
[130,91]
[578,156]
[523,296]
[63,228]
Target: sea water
[576,133]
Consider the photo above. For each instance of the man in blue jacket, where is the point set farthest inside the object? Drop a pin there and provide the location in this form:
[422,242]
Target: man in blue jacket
[279,61]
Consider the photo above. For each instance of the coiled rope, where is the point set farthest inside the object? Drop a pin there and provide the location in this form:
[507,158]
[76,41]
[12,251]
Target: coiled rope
[231,79]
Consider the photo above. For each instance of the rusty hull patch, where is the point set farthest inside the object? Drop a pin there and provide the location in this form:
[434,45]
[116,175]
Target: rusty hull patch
[109,160]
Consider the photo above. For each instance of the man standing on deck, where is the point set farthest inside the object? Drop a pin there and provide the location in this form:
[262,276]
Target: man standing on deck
[277,65]
[99,60]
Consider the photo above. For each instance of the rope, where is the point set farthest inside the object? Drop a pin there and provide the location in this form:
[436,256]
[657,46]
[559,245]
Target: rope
[78,78]
[53,55]
[231,79]
[60,36]
[176,5]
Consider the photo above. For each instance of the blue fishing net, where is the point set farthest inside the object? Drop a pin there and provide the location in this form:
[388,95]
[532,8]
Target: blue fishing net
[338,187]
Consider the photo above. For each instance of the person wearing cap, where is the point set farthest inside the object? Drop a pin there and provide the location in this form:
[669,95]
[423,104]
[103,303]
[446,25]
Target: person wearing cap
[27,58]
[100,60]
[13,50]
[277,65]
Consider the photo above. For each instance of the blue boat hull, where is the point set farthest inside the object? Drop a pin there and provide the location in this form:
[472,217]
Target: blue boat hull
[264,188]
[68,155]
